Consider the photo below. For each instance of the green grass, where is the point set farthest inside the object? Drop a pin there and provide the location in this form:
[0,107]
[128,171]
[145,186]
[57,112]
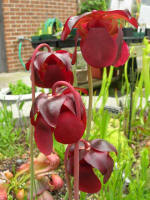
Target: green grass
[12,139]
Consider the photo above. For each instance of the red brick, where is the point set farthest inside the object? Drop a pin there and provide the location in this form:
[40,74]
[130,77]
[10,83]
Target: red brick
[23,17]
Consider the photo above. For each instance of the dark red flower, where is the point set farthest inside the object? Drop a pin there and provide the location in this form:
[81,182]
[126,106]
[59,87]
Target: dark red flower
[50,67]
[101,35]
[57,113]
[92,155]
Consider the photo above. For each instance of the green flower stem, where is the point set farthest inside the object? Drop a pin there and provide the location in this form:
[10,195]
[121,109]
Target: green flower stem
[89,120]
[32,128]
[131,99]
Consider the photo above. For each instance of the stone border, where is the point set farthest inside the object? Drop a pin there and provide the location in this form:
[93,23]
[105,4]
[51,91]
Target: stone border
[11,99]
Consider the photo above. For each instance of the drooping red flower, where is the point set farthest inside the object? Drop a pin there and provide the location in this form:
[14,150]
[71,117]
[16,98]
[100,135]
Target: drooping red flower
[50,67]
[101,35]
[58,113]
[94,154]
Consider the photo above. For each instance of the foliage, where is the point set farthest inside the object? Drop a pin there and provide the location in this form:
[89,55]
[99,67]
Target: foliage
[141,94]
[129,183]
[59,148]
[19,88]
[130,178]
[10,136]
[129,169]
[89,5]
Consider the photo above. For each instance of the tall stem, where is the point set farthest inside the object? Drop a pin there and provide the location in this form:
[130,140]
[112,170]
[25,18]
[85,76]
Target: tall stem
[67,175]
[76,150]
[131,99]
[90,83]
[76,171]
[32,128]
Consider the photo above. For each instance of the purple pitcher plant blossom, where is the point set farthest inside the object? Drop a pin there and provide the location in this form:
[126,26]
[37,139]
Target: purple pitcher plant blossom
[57,113]
[93,154]
[50,67]
[101,35]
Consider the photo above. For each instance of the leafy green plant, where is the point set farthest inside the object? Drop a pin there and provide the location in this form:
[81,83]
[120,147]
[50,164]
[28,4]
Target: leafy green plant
[59,148]
[19,88]
[89,5]
[10,135]
[130,177]
[141,94]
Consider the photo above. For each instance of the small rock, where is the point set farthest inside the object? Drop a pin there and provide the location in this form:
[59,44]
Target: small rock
[19,162]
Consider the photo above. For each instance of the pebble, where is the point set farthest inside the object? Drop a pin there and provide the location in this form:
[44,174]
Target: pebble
[19,162]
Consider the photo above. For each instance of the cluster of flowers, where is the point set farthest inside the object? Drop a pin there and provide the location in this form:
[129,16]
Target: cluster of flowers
[63,113]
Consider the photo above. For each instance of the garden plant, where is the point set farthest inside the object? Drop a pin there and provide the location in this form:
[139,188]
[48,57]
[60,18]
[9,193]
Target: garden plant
[70,112]
[94,168]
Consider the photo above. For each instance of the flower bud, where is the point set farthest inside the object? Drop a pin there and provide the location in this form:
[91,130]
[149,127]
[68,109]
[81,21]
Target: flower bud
[54,160]
[8,174]
[56,183]
[20,194]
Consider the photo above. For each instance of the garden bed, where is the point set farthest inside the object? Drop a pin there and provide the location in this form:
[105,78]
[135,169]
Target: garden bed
[130,168]
[8,98]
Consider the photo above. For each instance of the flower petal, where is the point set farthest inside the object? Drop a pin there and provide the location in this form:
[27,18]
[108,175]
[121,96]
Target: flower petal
[56,67]
[50,109]
[88,181]
[110,165]
[124,55]
[102,145]
[36,105]
[48,106]
[70,164]
[67,29]
[98,48]
[119,40]
[69,129]
[97,160]
[40,58]
[71,105]
[27,65]
[29,61]
[101,161]
[69,25]
[122,14]
[81,21]
[70,161]
[65,57]
[43,136]
[51,67]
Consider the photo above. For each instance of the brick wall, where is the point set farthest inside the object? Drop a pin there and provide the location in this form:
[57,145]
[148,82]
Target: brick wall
[23,17]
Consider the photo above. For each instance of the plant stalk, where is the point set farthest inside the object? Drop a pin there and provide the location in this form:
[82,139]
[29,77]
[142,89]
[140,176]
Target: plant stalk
[89,120]
[131,99]
[31,139]
[32,128]
[67,175]
[76,171]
